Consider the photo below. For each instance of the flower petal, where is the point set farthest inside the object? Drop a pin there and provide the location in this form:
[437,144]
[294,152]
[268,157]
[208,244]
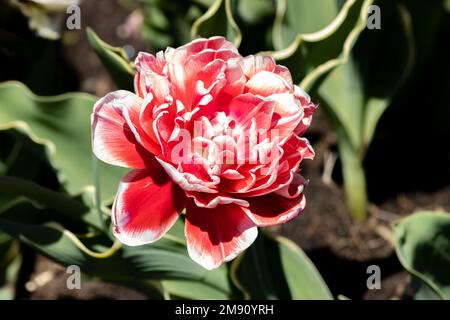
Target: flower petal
[217,235]
[288,113]
[308,107]
[279,206]
[201,44]
[115,136]
[186,180]
[146,206]
[254,64]
[210,200]
[266,83]
[147,65]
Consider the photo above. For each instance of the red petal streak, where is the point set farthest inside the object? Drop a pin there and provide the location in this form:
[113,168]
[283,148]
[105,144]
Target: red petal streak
[209,200]
[146,206]
[266,83]
[277,207]
[217,235]
[113,140]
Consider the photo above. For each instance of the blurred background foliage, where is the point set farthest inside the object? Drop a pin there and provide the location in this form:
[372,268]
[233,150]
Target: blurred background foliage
[55,196]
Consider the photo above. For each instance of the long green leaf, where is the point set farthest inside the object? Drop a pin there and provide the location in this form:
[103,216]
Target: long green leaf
[310,56]
[355,95]
[276,268]
[62,124]
[114,59]
[163,260]
[168,23]
[296,17]
[359,91]
[215,286]
[43,196]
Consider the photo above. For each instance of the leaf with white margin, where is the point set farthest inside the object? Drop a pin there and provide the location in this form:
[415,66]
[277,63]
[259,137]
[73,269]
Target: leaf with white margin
[218,20]
[63,125]
[422,243]
[133,266]
[359,91]
[312,55]
[295,17]
[276,268]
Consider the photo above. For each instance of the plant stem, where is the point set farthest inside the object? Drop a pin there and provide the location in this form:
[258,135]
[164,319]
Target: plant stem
[354,182]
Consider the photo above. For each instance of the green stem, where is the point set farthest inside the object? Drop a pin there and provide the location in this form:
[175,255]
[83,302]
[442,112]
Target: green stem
[116,246]
[354,182]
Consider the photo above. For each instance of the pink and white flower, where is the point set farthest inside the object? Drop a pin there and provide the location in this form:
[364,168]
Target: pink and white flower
[211,132]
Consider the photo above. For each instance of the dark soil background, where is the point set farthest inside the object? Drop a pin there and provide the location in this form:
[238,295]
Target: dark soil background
[407,166]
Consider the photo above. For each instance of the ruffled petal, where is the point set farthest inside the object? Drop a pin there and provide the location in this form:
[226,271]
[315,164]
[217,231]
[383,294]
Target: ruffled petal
[213,43]
[254,64]
[210,200]
[116,134]
[308,108]
[266,83]
[146,206]
[217,235]
[278,207]
[288,113]
[147,65]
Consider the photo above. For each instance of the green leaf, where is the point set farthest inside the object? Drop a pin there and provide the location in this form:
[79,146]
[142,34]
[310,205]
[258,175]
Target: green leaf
[422,242]
[214,285]
[253,11]
[65,206]
[163,260]
[355,95]
[168,23]
[303,279]
[61,124]
[342,95]
[384,73]
[114,59]
[301,17]
[359,91]
[276,268]
[195,290]
[218,20]
[422,291]
[310,56]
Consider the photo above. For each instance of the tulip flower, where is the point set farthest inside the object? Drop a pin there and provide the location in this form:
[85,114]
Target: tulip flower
[211,133]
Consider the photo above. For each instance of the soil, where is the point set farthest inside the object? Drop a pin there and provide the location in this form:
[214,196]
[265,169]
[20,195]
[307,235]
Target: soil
[48,282]
[326,222]
[340,249]
[100,15]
